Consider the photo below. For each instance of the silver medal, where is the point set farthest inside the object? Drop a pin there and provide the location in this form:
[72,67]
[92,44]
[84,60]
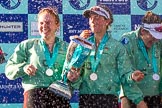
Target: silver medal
[93,76]
[49,72]
[156,77]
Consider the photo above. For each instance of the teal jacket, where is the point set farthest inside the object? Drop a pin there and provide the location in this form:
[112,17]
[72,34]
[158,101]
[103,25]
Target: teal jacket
[148,86]
[31,51]
[113,70]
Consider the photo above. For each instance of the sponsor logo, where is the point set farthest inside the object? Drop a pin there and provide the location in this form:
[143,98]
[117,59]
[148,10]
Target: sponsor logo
[79,4]
[147,4]
[11,27]
[10,4]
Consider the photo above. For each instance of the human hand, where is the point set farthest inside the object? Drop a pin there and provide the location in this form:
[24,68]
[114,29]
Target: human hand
[142,104]
[137,75]
[85,34]
[30,69]
[73,74]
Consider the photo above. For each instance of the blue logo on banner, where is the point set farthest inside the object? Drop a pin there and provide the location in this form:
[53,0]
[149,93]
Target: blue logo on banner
[10,4]
[13,28]
[147,4]
[73,25]
[79,4]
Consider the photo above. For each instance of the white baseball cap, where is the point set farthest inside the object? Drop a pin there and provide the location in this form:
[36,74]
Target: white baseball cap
[154,29]
[98,10]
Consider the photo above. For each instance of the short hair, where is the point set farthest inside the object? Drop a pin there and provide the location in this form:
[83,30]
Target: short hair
[151,18]
[109,11]
[51,10]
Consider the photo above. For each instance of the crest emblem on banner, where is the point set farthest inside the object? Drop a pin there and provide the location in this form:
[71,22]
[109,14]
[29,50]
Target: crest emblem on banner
[10,4]
[147,4]
[79,4]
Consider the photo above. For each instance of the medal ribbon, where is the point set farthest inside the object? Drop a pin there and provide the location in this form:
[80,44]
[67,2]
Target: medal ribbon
[95,60]
[50,60]
[143,49]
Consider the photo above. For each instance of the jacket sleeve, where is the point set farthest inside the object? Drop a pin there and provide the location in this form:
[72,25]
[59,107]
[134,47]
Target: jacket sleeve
[15,64]
[130,88]
[160,86]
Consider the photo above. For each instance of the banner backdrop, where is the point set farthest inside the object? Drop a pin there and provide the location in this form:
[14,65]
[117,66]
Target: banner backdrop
[18,21]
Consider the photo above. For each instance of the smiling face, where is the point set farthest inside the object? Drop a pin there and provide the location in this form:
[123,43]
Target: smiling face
[47,25]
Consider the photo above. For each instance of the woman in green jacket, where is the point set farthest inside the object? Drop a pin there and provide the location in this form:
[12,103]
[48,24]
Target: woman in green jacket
[39,63]
[98,73]
[145,51]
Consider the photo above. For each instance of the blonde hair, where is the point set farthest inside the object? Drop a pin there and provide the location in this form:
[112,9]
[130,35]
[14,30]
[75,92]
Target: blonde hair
[51,10]
[151,18]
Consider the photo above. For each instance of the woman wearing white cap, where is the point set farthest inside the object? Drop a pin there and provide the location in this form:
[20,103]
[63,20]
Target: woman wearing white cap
[102,69]
[144,50]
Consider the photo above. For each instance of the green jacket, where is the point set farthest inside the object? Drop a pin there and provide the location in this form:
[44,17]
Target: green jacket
[31,51]
[148,86]
[113,70]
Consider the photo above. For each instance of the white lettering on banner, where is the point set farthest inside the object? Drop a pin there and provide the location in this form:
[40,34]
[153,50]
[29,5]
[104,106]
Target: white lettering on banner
[120,27]
[72,31]
[113,0]
[79,31]
[11,27]
[75,31]
[47,1]
[136,26]
[12,87]
[34,29]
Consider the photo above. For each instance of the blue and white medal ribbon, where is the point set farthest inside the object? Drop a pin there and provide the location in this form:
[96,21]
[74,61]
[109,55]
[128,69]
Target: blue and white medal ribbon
[154,63]
[50,60]
[95,60]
